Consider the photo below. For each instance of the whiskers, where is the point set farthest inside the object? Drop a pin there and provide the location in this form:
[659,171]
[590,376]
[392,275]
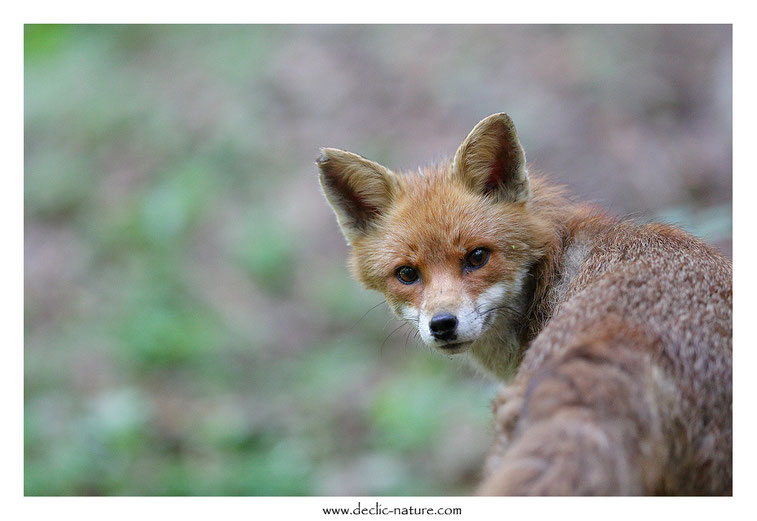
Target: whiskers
[404,324]
[412,332]
[366,314]
[410,324]
[491,313]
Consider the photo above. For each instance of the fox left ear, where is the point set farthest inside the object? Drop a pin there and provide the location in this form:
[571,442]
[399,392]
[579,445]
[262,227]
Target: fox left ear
[358,190]
[492,161]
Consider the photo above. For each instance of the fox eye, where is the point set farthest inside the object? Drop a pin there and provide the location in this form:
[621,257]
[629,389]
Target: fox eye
[477,258]
[406,274]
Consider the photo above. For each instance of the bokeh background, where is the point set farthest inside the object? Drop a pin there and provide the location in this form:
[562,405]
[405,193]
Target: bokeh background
[190,326]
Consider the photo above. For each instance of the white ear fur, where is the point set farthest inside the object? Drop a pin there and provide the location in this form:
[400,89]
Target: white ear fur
[357,189]
[491,160]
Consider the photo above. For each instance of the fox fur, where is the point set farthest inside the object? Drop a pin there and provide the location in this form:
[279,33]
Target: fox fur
[612,338]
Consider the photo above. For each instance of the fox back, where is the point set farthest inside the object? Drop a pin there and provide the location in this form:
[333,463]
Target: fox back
[613,338]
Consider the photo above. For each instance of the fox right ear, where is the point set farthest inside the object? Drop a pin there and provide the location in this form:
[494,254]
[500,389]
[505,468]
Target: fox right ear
[491,160]
[357,189]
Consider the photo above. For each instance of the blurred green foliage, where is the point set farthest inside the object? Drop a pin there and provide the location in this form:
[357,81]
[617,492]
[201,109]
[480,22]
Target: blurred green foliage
[144,374]
[191,326]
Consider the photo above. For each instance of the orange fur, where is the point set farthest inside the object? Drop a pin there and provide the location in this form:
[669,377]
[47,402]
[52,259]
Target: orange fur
[618,334]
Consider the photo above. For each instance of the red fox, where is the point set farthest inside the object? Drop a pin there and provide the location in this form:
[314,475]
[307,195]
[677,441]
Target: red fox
[613,338]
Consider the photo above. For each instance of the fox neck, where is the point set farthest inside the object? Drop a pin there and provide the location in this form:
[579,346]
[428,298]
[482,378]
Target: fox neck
[500,350]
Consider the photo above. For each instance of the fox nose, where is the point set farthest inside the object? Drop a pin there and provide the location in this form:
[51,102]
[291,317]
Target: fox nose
[443,326]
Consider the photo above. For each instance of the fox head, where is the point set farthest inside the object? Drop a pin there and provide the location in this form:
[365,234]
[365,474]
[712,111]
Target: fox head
[450,247]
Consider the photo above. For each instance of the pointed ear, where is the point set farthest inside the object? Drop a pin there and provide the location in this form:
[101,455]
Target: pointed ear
[358,190]
[492,161]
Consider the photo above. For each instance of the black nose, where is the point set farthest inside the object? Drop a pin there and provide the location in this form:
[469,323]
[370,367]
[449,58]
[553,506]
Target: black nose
[443,326]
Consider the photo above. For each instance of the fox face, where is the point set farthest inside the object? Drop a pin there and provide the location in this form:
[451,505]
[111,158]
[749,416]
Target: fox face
[451,246]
